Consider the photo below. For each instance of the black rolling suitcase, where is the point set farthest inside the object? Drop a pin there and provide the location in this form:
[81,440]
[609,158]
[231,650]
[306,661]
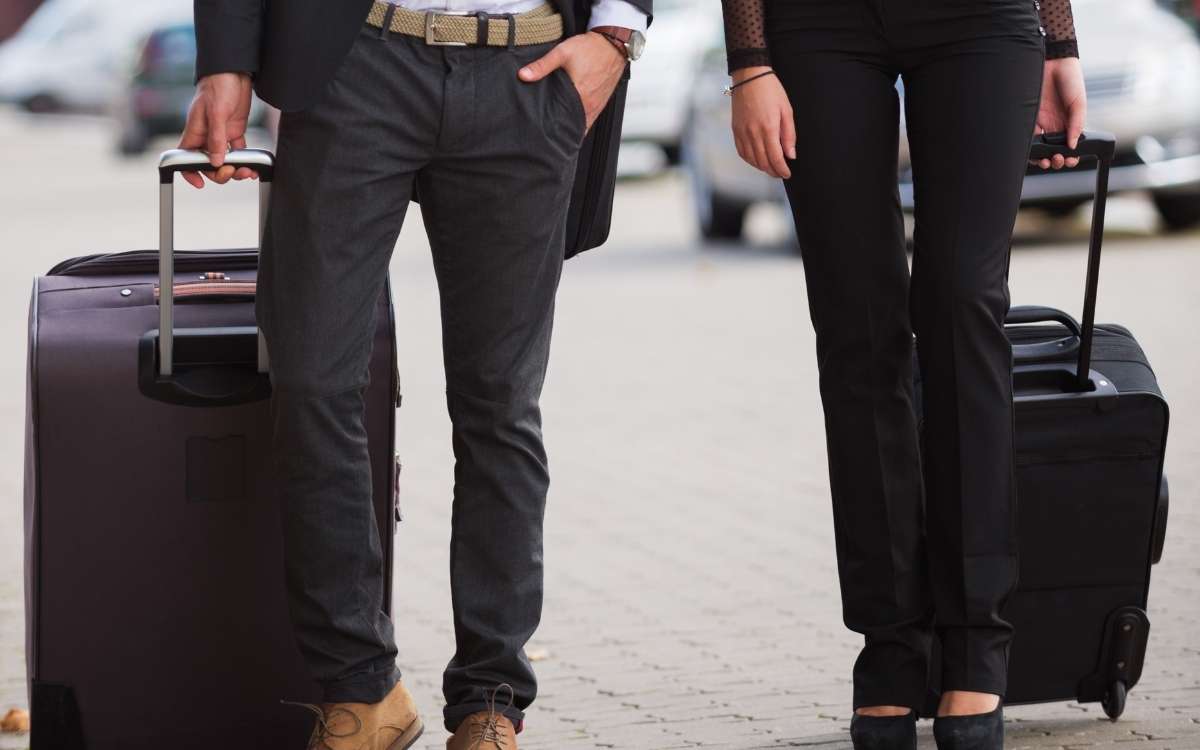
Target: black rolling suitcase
[1091,430]
[156,614]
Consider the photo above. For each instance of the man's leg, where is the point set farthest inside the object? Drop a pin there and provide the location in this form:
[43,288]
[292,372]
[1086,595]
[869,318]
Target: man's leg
[494,201]
[844,198]
[344,178]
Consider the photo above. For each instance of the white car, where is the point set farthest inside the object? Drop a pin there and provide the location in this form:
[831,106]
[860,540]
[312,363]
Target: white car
[70,55]
[1142,70]
[660,84]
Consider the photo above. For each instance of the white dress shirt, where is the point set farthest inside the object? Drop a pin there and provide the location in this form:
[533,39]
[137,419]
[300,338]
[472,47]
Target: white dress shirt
[604,12]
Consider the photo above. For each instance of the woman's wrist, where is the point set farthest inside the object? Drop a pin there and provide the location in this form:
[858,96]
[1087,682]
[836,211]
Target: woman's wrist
[749,78]
[744,74]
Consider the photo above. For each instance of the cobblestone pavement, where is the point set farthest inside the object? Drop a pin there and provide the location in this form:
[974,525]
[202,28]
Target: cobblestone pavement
[691,591]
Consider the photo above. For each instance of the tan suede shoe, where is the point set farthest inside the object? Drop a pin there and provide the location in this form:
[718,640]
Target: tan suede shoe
[391,724]
[486,730]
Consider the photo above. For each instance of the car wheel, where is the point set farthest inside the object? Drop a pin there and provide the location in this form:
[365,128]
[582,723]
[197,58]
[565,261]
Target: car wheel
[41,104]
[1178,210]
[133,140]
[718,218]
[723,220]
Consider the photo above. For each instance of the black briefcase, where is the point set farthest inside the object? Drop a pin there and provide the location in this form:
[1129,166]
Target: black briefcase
[590,215]
[1091,431]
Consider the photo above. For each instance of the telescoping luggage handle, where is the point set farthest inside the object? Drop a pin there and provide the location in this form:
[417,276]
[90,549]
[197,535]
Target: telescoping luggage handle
[180,160]
[1101,146]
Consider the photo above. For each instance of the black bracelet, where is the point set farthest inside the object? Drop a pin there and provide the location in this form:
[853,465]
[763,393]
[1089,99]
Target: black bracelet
[729,89]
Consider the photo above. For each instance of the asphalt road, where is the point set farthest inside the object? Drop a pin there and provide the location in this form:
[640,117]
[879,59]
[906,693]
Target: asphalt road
[691,591]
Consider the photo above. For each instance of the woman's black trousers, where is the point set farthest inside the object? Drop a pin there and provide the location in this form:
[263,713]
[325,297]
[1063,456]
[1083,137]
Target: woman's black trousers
[924,507]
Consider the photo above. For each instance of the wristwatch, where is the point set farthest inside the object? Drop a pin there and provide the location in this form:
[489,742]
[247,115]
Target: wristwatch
[630,41]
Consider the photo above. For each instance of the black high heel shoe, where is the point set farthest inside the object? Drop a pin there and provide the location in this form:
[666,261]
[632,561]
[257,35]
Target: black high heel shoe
[974,732]
[884,732]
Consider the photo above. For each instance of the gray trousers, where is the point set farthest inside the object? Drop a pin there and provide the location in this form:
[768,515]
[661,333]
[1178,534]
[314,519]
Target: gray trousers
[492,159]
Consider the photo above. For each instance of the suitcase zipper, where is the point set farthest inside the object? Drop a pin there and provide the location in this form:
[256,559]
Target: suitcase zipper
[1048,460]
[146,261]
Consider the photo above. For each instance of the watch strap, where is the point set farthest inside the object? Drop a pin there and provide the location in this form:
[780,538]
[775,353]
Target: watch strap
[618,35]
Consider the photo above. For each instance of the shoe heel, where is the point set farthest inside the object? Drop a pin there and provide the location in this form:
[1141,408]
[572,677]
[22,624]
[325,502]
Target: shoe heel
[884,732]
[410,736]
[976,732]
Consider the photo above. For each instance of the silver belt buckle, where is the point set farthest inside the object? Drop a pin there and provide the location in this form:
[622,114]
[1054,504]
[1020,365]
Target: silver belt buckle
[431,28]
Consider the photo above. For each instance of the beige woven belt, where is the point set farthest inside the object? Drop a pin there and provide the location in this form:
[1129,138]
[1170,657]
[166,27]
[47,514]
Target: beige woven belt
[538,26]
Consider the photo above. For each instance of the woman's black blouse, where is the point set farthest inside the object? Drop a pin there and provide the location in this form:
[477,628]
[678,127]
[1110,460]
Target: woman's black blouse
[746,41]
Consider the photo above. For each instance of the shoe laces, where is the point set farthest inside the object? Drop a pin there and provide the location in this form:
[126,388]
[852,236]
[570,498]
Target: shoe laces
[323,731]
[488,730]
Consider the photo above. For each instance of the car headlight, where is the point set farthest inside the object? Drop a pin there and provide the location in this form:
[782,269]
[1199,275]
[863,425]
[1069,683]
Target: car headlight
[1151,148]
[1183,144]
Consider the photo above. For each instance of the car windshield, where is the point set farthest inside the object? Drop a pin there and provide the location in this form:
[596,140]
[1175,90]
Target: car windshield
[675,5]
[175,46]
[169,56]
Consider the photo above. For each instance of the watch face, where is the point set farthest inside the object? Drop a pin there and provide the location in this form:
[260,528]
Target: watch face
[636,44]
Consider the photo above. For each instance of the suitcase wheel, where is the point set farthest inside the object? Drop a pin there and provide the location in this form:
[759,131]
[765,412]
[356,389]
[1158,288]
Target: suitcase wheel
[1114,700]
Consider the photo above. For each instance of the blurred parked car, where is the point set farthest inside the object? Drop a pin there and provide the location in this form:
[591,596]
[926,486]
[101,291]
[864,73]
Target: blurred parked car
[660,86]
[158,89]
[1142,70]
[69,55]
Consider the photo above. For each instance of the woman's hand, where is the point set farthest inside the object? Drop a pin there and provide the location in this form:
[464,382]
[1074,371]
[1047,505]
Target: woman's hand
[1063,107]
[763,128]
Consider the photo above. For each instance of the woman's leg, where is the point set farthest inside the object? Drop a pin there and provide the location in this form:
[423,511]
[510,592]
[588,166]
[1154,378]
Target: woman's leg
[970,110]
[844,199]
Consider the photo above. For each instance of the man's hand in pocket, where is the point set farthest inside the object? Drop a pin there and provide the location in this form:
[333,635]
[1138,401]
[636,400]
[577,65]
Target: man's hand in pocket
[592,62]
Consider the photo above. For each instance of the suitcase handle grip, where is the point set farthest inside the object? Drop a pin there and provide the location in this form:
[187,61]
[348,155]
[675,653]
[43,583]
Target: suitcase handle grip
[1100,146]
[200,291]
[1096,143]
[185,160]
[1045,350]
[1027,314]
[169,164]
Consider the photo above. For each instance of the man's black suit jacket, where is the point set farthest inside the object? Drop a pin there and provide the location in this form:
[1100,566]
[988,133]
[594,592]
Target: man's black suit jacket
[293,47]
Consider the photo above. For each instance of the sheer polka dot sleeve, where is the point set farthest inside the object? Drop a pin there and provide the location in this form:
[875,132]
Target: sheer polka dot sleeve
[745,33]
[1059,26]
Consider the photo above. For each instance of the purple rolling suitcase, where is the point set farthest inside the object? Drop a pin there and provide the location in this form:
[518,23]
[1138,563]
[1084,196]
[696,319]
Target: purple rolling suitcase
[156,615]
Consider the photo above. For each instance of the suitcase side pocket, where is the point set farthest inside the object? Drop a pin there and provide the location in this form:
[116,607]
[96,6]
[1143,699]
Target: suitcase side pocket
[1160,522]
